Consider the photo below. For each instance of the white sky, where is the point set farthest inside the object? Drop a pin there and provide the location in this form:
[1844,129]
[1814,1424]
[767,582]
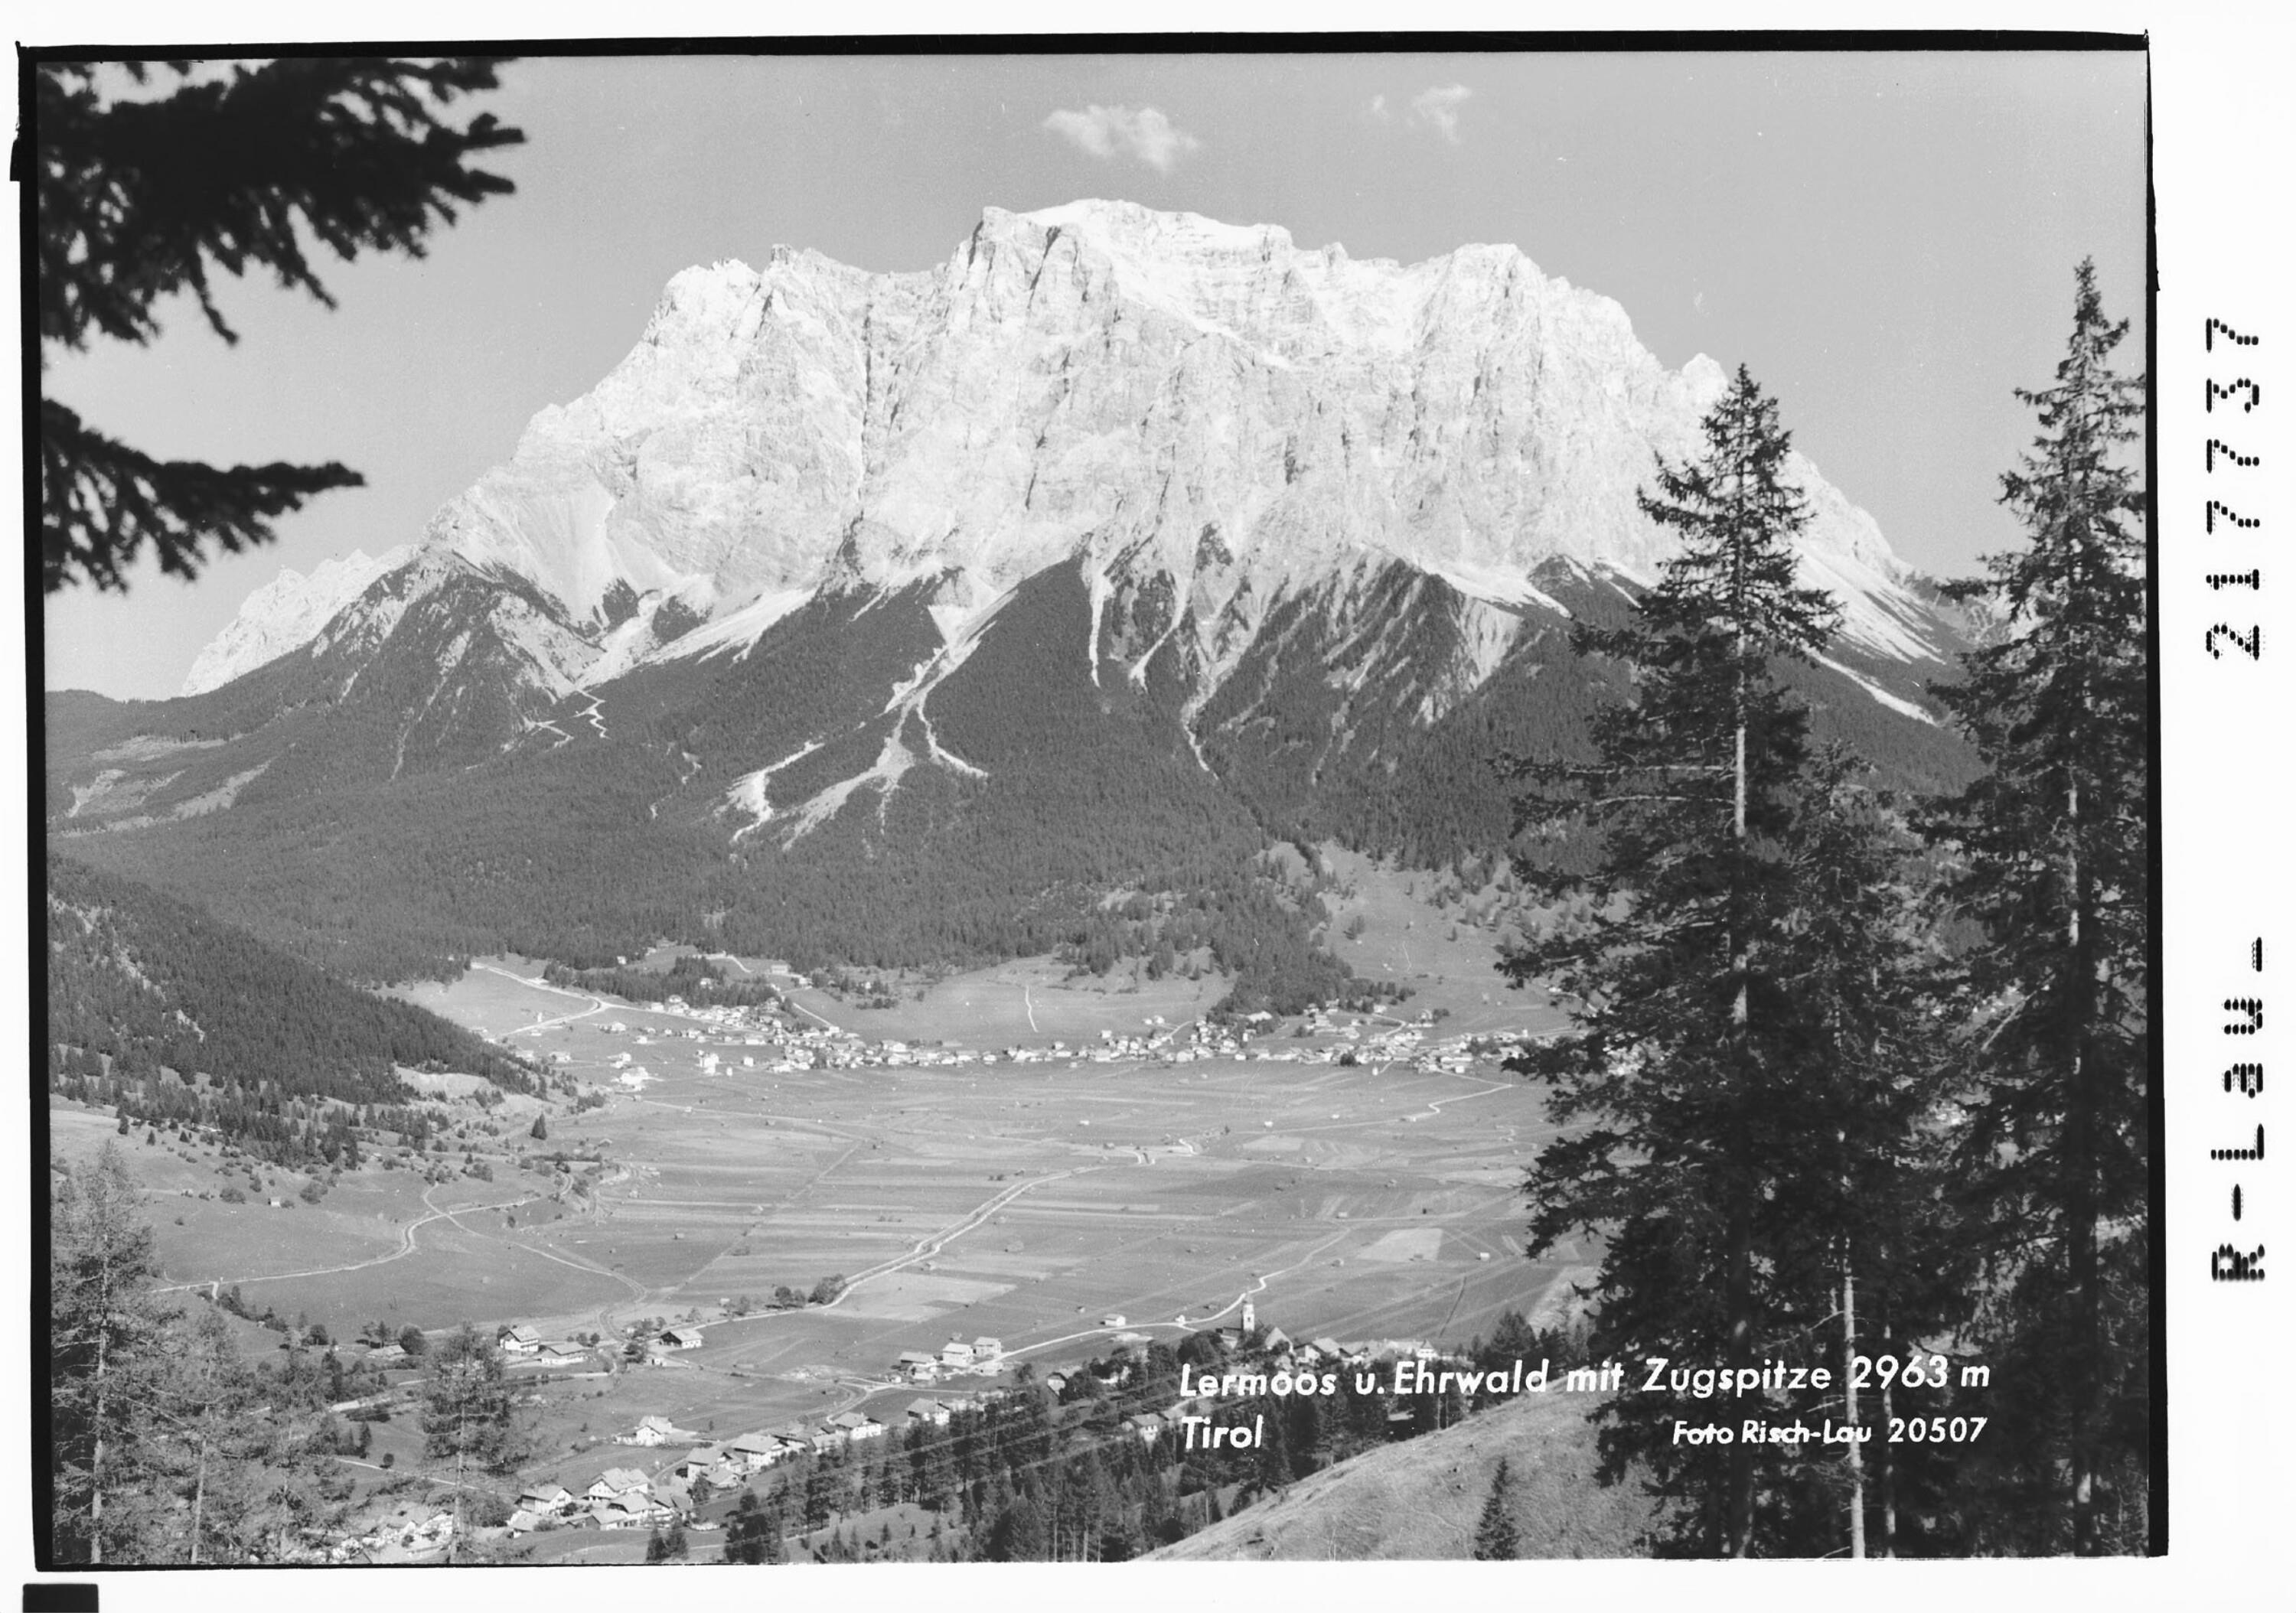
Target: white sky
[1887,239]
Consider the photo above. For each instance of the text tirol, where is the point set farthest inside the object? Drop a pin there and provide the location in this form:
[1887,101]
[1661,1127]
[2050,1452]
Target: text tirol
[1234,1436]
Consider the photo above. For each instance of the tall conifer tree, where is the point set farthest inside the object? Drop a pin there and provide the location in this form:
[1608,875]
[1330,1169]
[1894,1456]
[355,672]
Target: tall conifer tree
[102,1327]
[1688,1153]
[2050,850]
[471,1414]
[1496,1539]
[1861,978]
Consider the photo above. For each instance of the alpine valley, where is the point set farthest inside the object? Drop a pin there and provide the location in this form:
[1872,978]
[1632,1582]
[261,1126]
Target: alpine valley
[1021,605]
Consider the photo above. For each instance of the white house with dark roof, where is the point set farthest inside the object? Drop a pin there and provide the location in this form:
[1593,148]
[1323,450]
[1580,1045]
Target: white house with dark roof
[519,1340]
[633,1510]
[545,1498]
[684,1337]
[858,1425]
[922,1410]
[756,1452]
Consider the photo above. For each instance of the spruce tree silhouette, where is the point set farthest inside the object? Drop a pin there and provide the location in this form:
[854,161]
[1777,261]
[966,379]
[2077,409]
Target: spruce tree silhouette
[137,198]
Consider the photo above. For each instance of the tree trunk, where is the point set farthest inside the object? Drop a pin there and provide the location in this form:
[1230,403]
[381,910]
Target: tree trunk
[95,1465]
[1850,1405]
[461,1445]
[2081,1165]
[1738,1518]
[1738,1281]
[198,1495]
[1888,1473]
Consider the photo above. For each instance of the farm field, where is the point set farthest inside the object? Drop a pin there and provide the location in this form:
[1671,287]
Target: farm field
[1031,1202]
[1026,1202]
[973,1202]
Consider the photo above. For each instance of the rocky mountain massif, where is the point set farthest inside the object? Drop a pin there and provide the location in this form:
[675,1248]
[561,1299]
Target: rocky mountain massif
[1012,605]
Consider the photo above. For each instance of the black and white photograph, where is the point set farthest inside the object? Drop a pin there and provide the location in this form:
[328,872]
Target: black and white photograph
[834,802]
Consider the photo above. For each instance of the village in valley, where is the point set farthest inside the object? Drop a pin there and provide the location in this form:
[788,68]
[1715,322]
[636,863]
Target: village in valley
[727,1247]
[653,1492]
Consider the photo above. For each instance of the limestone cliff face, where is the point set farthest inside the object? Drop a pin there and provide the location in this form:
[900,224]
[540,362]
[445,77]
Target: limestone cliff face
[1197,412]
[288,611]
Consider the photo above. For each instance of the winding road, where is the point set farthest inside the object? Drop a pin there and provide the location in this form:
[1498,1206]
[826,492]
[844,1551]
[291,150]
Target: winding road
[405,1248]
[598,1005]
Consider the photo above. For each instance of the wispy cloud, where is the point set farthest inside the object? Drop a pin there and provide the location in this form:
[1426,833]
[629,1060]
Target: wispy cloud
[1379,108]
[1108,132]
[1439,108]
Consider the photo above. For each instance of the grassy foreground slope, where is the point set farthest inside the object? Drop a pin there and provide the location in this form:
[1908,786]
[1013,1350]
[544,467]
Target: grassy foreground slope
[1420,1499]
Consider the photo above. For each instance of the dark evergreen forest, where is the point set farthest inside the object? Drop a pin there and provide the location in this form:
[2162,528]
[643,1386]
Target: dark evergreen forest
[166,1014]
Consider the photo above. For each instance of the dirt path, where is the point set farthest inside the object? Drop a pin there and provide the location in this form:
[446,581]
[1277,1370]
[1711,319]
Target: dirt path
[1435,1105]
[598,1005]
[930,1244]
[405,1248]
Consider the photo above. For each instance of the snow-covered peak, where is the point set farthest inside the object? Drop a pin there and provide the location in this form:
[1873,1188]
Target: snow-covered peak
[1141,231]
[286,613]
[1146,392]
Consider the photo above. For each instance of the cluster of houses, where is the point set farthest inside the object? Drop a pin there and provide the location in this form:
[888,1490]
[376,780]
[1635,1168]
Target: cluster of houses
[936,1411]
[397,1542]
[981,1355]
[786,1048]
[725,1462]
[523,1345]
[619,1498]
[1411,1044]
[626,1498]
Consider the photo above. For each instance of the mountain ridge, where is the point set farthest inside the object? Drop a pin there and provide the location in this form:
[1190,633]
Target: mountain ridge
[906,620]
[775,431]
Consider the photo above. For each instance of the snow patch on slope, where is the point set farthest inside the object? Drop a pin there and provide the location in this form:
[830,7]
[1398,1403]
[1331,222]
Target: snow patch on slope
[1878,614]
[738,629]
[749,795]
[1494,584]
[894,760]
[1904,707]
[908,699]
